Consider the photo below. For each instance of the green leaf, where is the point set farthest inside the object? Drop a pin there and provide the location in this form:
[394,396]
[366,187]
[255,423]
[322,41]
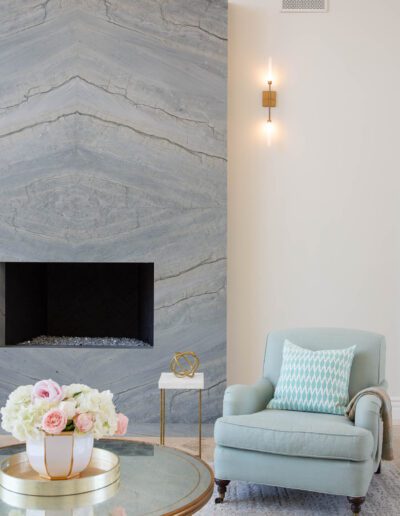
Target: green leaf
[70,426]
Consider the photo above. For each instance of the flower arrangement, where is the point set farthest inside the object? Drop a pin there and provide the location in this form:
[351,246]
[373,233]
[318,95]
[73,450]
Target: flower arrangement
[32,411]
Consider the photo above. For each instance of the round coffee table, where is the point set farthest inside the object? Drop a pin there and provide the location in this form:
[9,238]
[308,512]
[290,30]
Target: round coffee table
[155,480]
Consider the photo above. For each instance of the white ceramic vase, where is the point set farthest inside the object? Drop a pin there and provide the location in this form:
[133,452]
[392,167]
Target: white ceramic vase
[61,456]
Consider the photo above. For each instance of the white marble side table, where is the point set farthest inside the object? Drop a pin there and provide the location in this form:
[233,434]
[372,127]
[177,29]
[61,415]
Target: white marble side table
[168,381]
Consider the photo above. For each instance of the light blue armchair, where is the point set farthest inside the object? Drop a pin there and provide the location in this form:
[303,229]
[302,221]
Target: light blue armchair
[302,450]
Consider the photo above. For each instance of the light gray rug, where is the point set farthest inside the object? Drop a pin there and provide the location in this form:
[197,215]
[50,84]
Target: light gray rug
[383,498]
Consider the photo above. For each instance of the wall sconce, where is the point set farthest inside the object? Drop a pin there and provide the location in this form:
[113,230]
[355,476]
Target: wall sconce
[269,101]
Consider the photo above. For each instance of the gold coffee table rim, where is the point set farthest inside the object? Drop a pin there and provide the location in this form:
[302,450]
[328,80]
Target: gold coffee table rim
[201,500]
[188,509]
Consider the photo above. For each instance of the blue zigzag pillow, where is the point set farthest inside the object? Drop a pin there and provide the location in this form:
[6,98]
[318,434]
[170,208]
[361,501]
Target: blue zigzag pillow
[313,381]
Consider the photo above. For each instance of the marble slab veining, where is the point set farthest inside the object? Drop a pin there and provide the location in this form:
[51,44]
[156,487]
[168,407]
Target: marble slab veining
[113,148]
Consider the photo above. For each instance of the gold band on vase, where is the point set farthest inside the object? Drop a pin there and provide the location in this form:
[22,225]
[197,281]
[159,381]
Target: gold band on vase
[71,462]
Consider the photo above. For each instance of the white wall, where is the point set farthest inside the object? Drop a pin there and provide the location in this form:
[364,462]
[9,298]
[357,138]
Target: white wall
[314,220]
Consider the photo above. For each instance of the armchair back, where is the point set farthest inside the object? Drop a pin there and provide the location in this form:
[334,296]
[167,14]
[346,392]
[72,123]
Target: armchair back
[368,367]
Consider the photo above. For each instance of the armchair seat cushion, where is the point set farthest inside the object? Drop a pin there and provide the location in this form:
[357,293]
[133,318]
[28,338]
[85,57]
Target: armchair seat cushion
[298,434]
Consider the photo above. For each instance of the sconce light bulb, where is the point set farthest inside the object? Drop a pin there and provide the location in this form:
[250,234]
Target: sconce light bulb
[269,126]
[269,131]
[269,72]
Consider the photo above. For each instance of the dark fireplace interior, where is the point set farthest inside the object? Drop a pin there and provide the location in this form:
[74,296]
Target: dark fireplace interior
[96,303]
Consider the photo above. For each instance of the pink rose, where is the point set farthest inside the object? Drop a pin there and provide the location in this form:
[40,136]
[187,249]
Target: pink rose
[47,390]
[122,424]
[54,421]
[84,422]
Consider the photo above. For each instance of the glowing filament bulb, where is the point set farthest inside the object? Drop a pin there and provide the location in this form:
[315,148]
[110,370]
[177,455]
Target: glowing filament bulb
[269,131]
[269,71]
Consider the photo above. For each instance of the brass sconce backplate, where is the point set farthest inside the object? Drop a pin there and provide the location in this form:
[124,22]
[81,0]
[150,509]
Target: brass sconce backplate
[269,99]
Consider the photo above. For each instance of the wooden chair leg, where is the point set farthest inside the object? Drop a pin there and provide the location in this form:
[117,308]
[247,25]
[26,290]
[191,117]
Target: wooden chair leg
[222,485]
[356,503]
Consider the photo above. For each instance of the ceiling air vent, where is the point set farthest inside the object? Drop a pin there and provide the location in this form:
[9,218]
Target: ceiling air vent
[304,6]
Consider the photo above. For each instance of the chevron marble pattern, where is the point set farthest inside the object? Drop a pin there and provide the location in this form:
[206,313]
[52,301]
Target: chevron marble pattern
[113,149]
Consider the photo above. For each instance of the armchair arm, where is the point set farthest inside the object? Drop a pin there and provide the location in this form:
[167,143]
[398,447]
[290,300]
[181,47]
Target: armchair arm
[247,399]
[367,416]
[368,412]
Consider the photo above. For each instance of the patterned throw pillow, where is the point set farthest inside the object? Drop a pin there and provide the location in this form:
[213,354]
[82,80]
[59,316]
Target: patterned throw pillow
[313,381]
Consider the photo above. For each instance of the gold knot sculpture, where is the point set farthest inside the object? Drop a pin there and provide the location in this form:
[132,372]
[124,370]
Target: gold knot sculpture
[184,364]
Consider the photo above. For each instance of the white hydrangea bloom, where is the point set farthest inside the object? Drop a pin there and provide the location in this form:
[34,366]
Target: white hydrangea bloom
[21,417]
[68,407]
[74,389]
[22,394]
[101,406]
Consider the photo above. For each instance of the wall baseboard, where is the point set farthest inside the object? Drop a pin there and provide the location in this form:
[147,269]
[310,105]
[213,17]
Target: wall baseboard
[396,410]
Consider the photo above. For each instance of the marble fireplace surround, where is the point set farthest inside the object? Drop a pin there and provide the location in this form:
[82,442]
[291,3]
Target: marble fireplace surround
[113,145]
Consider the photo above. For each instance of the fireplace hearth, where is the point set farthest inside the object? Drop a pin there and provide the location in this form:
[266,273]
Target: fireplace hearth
[78,304]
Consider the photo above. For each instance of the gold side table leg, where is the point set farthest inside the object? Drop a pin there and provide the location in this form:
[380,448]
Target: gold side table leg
[200,418]
[162,417]
[163,428]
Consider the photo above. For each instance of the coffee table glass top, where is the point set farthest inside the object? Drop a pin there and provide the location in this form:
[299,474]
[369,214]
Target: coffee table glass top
[155,480]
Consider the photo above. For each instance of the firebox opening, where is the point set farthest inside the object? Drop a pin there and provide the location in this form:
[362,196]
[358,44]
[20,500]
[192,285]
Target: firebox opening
[79,304]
